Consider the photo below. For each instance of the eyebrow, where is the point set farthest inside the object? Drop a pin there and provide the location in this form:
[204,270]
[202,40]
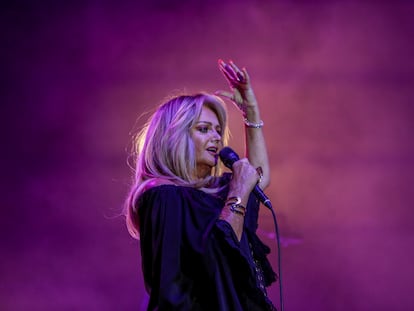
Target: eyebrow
[207,122]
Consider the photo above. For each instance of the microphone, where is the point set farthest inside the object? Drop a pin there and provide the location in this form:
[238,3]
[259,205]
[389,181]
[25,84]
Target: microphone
[228,157]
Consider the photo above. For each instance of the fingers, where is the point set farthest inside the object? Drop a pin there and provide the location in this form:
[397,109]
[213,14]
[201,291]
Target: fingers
[225,94]
[243,169]
[234,97]
[233,74]
[237,72]
[227,70]
[246,76]
[239,82]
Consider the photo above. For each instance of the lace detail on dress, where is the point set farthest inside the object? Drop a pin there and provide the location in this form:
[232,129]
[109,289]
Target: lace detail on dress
[260,280]
[259,273]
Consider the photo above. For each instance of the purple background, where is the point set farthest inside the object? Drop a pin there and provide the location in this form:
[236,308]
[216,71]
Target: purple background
[335,81]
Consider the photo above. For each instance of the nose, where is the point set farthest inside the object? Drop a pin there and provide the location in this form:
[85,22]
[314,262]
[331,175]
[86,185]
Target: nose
[216,137]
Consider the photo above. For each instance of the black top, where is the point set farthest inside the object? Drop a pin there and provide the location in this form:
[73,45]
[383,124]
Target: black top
[192,260]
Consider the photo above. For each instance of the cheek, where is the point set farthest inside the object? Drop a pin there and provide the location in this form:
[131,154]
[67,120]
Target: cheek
[198,142]
[199,147]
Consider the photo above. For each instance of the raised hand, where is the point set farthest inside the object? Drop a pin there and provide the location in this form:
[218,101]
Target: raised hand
[242,94]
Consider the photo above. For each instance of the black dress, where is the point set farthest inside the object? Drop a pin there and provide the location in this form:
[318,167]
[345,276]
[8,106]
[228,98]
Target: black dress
[191,260]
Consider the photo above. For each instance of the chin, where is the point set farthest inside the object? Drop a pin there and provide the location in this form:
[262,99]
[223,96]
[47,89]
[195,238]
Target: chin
[205,168]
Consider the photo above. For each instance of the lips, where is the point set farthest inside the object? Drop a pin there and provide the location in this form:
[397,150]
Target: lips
[212,150]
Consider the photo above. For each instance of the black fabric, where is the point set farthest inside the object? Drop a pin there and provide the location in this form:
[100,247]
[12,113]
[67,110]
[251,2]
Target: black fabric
[191,260]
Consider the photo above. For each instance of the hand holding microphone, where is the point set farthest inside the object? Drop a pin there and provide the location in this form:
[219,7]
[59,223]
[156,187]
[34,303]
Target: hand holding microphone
[229,157]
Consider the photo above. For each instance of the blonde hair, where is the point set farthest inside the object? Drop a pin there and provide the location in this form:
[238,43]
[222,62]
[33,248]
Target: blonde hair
[164,148]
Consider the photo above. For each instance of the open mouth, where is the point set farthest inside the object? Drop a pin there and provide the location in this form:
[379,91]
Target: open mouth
[212,150]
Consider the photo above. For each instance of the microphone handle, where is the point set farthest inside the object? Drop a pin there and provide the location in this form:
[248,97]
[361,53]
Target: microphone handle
[258,192]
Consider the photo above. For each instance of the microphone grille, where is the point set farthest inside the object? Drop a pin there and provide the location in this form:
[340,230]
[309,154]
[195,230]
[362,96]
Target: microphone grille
[228,156]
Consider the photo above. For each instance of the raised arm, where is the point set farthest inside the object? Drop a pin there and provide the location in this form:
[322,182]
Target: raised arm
[243,97]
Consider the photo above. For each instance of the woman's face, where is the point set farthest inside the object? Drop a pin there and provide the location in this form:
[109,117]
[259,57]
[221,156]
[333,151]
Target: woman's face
[206,135]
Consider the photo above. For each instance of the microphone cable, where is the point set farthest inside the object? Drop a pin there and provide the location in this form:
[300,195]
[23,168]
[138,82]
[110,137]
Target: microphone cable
[279,257]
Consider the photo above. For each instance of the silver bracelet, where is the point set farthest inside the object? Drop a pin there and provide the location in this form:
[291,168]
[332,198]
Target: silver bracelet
[238,209]
[253,125]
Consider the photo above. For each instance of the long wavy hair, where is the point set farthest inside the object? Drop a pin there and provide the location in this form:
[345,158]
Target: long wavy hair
[163,148]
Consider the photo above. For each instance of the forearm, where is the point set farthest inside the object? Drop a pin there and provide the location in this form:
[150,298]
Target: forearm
[235,219]
[243,180]
[256,150]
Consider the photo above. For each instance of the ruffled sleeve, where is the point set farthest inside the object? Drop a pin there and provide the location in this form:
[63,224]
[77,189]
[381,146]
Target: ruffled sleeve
[259,249]
[172,234]
[160,220]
